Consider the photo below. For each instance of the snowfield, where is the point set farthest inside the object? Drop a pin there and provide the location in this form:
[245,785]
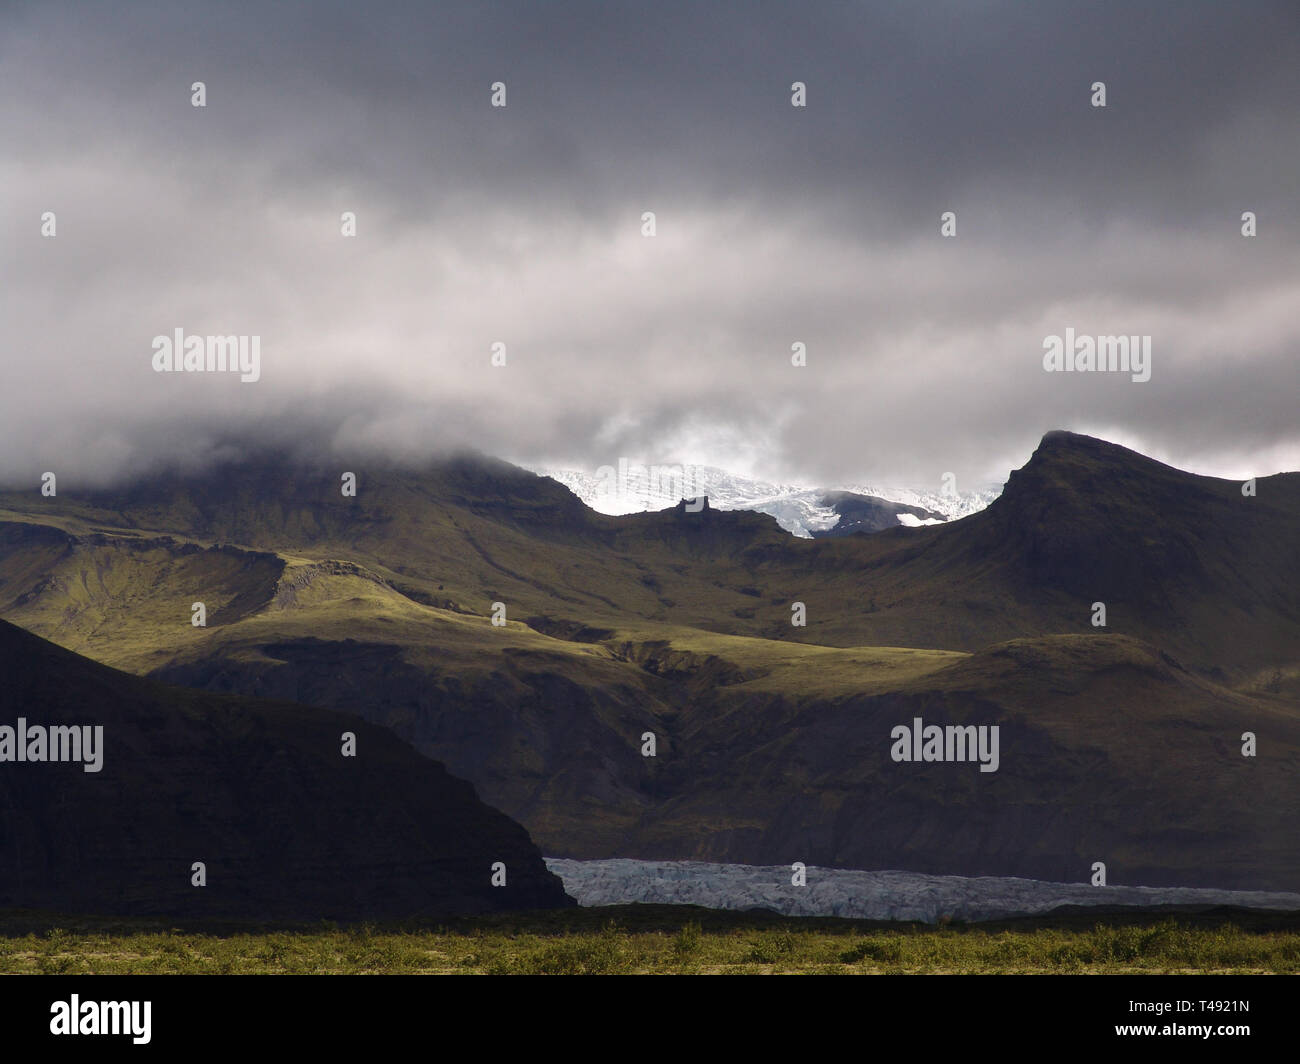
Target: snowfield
[632,489]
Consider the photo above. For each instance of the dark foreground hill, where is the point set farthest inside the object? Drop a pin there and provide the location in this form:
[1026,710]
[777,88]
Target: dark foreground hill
[287,828]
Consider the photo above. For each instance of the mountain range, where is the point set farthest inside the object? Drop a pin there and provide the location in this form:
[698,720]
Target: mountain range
[1120,744]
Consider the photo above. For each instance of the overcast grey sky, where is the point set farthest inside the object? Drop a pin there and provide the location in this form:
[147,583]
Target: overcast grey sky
[775,224]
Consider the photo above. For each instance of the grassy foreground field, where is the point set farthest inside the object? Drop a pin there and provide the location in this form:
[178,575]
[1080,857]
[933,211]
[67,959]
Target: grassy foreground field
[645,939]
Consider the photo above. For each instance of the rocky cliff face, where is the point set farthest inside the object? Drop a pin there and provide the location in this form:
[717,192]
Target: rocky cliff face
[866,513]
[285,826]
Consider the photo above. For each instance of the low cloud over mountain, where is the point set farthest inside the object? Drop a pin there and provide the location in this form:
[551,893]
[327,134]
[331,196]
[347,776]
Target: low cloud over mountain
[522,225]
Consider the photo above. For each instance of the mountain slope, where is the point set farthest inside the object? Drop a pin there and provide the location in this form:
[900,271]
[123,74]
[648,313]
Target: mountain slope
[1182,561]
[259,792]
[1109,751]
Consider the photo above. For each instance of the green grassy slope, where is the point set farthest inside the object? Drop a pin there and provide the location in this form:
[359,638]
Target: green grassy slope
[1183,561]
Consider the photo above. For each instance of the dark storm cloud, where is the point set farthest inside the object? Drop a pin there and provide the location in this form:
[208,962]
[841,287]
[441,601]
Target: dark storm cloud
[776,225]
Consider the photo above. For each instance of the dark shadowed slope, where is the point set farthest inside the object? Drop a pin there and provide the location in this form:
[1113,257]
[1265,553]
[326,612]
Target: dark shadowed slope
[1109,750]
[257,791]
[1183,561]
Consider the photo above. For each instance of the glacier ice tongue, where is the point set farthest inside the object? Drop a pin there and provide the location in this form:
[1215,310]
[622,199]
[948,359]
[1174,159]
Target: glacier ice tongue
[900,896]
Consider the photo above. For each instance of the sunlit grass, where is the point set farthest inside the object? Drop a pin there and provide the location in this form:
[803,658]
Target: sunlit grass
[658,940]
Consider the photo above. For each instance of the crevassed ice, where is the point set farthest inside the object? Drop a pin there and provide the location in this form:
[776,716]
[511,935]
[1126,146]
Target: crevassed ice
[867,895]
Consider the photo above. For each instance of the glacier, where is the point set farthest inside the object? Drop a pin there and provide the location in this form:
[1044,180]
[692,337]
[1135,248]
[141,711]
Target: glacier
[903,896]
[797,508]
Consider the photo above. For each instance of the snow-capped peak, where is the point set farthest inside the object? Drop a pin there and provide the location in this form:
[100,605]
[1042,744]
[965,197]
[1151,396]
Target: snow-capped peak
[631,488]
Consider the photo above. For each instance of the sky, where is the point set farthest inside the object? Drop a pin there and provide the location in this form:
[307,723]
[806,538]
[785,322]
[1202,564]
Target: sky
[774,225]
